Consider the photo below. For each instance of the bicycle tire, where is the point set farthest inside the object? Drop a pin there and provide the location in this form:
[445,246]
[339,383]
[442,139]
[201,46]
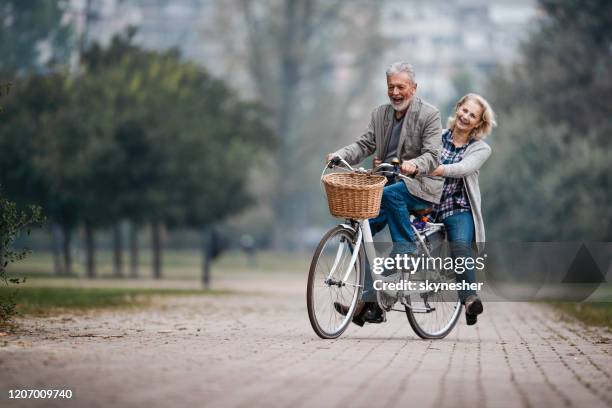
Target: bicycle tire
[320,270]
[444,313]
[427,334]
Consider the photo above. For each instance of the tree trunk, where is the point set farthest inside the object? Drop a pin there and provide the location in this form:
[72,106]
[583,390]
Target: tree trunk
[206,256]
[297,18]
[117,251]
[90,252]
[66,244]
[134,250]
[157,250]
[56,249]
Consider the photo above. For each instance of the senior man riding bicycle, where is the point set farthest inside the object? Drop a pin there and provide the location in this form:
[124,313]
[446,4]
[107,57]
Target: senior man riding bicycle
[407,128]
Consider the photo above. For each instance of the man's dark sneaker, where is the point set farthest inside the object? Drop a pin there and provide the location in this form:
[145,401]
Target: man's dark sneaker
[473,305]
[372,313]
[368,312]
[343,310]
[471,319]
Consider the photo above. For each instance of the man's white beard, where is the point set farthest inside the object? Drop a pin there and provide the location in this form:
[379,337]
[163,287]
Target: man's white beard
[401,107]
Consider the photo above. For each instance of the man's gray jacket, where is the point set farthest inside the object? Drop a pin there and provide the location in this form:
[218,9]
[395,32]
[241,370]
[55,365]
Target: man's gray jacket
[420,143]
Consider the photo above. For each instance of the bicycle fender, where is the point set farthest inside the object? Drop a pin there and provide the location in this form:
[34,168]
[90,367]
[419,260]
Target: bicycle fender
[348,227]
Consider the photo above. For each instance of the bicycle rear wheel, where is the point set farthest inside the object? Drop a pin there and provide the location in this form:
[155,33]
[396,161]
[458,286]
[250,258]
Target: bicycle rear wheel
[331,263]
[432,315]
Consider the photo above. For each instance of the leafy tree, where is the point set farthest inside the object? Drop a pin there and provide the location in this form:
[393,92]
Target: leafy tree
[291,56]
[136,135]
[552,150]
[31,135]
[183,139]
[28,27]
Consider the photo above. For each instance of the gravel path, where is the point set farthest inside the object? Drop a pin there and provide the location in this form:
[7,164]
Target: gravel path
[257,349]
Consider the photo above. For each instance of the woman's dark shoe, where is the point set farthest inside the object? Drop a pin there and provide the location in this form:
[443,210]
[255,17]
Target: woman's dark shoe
[471,319]
[473,305]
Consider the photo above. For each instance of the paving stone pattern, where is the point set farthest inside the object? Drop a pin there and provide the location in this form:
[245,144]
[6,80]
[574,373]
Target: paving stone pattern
[257,349]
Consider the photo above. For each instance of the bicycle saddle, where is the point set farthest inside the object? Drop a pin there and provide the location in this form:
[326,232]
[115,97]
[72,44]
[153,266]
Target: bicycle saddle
[424,211]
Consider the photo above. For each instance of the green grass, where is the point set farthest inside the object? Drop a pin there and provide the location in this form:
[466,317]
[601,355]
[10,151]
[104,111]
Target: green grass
[176,264]
[594,314]
[45,293]
[50,300]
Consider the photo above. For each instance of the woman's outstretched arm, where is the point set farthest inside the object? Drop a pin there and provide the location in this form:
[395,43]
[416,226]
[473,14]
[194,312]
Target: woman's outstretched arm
[468,165]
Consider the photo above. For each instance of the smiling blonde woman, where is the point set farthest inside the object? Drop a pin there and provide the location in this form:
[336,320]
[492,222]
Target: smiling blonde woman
[463,154]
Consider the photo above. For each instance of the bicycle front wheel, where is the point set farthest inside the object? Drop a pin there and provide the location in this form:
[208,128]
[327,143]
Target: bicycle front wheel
[333,279]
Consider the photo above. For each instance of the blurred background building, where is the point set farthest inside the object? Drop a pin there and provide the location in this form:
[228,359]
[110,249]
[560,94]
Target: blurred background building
[446,40]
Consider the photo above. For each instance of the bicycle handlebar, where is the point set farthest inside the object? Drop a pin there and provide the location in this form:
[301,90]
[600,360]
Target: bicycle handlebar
[388,170]
[336,161]
[385,169]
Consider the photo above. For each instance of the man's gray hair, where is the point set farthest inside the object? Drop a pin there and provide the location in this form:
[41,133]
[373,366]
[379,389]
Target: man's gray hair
[401,66]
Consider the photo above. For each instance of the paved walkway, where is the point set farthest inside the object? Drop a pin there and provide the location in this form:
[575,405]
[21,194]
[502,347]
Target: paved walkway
[259,350]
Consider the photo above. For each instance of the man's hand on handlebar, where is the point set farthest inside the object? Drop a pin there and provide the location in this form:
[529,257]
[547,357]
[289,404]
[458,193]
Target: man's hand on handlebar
[333,159]
[395,168]
[408,168]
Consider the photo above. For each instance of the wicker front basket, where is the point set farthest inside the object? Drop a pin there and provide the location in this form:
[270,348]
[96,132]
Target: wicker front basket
[352,195]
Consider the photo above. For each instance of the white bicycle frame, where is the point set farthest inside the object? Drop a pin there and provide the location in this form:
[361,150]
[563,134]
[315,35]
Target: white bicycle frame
[414,301]
[364,235]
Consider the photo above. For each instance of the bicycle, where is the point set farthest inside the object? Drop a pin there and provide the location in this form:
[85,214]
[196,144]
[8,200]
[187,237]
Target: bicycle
[337,273]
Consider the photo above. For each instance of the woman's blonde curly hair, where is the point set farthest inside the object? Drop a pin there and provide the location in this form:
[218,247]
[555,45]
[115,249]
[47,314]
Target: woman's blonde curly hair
[488,116]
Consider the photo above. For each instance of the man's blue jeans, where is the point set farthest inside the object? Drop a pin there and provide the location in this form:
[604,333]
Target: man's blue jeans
[394,212]
[460,231]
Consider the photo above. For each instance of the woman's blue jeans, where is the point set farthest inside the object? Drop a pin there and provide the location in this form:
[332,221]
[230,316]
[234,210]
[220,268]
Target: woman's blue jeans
[460,231]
